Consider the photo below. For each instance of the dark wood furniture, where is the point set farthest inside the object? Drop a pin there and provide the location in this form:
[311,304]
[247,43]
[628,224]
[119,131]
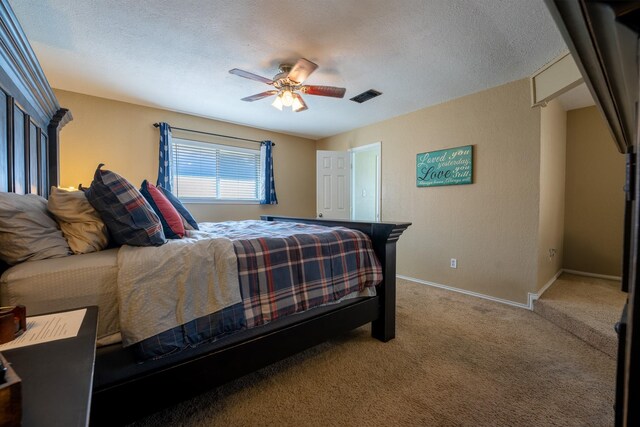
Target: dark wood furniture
[57,377]
[123,389]
[603,37]
[119,382]
[30,116]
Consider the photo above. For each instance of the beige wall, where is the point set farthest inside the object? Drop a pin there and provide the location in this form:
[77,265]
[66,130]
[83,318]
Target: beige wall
[500,228]
[553,136]
[122,136]
[490,226]
[594,205]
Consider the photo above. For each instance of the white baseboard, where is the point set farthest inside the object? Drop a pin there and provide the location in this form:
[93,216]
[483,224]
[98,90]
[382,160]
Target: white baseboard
[463,291]
[599,276]
[531,297]
[534,296]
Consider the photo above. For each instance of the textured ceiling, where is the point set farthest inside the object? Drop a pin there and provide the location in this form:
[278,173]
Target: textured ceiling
[176,54]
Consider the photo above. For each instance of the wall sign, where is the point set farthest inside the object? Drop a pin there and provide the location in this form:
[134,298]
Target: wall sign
[453,166]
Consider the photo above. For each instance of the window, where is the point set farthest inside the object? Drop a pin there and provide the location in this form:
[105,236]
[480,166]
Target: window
[205,172]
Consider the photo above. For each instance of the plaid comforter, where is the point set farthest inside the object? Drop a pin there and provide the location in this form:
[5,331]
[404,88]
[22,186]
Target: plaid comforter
[287,267]
[284,268]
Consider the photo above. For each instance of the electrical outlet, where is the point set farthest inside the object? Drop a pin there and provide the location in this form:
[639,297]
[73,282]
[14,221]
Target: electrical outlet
[552,253]
[454,263]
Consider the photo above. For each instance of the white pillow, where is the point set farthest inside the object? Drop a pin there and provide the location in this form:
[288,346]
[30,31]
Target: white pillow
[27,231]
[81,224]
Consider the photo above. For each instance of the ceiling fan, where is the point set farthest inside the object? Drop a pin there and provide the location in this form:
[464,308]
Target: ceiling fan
[287,84]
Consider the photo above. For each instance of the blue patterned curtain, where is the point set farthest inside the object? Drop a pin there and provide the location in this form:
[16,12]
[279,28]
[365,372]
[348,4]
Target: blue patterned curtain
[164,163]
[268,190]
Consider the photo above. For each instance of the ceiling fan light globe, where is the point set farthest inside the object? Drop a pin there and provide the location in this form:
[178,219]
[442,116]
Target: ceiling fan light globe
[287,98]
[297,105]
[277,103]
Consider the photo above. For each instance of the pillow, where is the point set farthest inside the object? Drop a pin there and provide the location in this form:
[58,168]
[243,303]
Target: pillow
[27,231]
[169,217]
[186,215]
[81,225]
[127,214]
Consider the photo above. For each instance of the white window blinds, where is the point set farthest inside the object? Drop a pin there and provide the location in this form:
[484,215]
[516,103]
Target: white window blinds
[210,172]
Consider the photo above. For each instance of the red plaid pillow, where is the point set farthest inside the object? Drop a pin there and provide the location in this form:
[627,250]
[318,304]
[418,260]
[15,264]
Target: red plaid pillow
[169,216]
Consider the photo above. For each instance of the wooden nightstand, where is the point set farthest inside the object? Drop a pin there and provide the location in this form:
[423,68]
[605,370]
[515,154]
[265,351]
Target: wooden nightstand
[57,377]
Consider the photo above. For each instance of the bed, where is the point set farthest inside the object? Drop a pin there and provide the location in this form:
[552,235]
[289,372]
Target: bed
[31,119]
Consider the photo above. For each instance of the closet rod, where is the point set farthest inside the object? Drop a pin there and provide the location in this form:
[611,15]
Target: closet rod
[213,134]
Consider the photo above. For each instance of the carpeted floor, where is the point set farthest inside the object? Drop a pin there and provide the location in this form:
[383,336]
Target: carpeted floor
[588,307]
[456,361]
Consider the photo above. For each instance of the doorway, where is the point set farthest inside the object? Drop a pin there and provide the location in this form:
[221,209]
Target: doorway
[365,183]
[348,183]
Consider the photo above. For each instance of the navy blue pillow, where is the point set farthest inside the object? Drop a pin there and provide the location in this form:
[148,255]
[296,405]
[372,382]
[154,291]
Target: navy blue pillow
[126,213]
[180,208]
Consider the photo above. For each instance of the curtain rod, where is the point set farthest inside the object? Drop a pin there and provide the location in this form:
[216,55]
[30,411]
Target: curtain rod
[213,134]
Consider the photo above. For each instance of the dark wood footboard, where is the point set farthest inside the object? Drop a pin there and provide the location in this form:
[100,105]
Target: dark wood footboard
[384,236]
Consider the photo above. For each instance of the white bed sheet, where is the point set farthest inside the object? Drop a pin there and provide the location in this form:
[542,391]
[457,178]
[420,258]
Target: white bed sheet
[66,283]
[162,287]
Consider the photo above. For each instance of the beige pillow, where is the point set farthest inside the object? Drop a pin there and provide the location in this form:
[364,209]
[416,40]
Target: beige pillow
[27,231]
[80,223]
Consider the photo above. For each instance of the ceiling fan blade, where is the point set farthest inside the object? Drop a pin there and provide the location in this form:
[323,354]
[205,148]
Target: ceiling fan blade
[259,95]
[301,70]
[336,92]
[251,76]
[302,106]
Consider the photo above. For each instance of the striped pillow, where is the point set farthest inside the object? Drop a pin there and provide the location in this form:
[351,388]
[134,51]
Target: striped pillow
[169,217]
[126,213]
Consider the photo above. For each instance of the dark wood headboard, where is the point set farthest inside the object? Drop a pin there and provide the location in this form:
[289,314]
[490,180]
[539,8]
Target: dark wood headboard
[30,115]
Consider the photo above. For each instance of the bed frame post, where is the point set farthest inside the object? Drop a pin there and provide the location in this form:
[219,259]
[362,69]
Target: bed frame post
[384,328]
[62,116]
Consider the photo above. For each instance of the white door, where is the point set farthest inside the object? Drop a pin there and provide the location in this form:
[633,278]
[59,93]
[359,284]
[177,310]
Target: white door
[333,181]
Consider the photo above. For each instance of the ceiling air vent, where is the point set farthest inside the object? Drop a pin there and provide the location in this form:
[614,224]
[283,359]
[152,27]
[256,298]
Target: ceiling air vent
[365,96]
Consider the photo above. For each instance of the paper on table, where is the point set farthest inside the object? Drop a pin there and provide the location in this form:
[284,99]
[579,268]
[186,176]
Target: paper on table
[48,327]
